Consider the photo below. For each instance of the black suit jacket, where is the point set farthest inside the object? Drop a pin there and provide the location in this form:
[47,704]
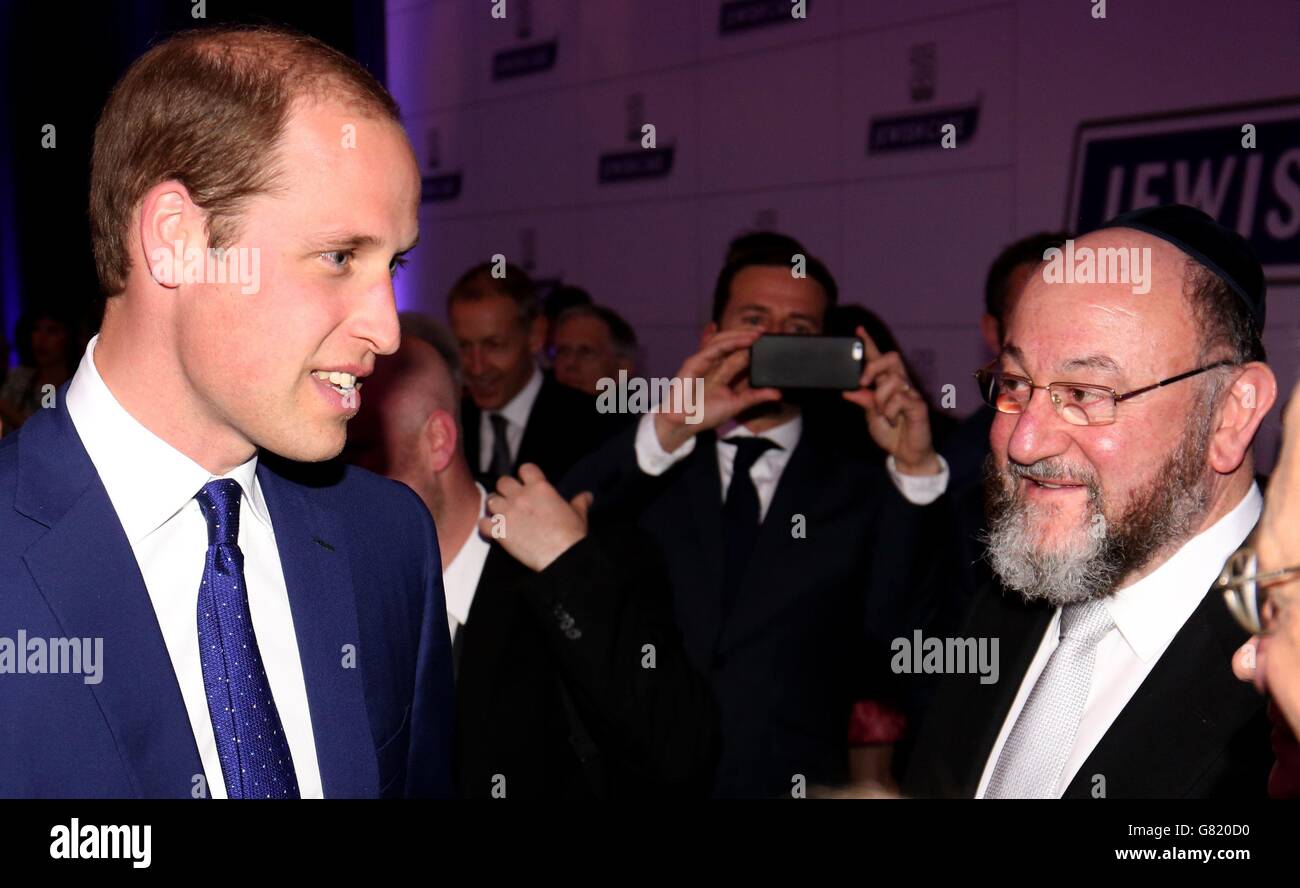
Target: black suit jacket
[562,427]
[1191,730]
[839,569]
[553,693]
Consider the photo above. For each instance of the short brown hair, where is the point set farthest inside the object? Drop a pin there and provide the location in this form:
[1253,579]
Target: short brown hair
[516,286]
[207,107]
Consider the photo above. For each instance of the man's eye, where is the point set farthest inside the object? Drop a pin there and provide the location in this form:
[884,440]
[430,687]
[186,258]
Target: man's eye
[338,259]
[399,262]
[1012,384]
[1082,395]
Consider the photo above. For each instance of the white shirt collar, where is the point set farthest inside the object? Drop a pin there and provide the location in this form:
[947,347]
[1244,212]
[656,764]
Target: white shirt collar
[147,480]
[461,577]
[518,408]
[786,435]
[1150,612]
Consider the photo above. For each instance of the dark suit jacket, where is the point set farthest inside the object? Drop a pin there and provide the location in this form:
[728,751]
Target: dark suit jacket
[563,427]
[552,690]
[1191,730]
[965,450]
[839,569]
[361,566]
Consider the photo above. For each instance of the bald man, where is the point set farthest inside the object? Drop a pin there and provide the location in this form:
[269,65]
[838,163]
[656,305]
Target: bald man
[571,679]
[1121,477]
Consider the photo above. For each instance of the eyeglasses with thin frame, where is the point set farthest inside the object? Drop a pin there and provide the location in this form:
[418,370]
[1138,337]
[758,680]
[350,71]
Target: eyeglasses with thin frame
[1254,598]
[1076,402]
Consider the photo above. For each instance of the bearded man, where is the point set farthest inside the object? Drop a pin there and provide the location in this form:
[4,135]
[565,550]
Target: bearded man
[1121,477]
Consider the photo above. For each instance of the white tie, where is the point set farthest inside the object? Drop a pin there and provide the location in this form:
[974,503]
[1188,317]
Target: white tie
[1043,736]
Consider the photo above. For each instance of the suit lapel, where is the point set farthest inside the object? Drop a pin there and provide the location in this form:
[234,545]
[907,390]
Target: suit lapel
[980,709]
[760,598]
[318,576]
[487,629]
[705,490]
[86,571]
[535,446]
[1182,717]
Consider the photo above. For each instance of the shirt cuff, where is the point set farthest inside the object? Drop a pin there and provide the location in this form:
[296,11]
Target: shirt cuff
[920,490]
[651,457]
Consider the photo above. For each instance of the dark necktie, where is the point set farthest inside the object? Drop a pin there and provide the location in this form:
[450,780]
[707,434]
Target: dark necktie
[740,513]
[500,464]
[255,759]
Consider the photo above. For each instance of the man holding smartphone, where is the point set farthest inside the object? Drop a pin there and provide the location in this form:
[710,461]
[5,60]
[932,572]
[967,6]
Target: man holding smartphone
[793,563]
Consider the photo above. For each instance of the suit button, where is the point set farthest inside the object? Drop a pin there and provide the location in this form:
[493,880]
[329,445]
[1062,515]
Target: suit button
[573,634]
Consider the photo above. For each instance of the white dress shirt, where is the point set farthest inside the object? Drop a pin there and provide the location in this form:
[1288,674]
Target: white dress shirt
[460,577]
[766,472]
[516,412]
[152,487]
[1147,615]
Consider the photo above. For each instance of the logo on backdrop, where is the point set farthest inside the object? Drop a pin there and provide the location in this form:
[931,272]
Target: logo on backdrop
[526,259]
[924,61]
[916,130]
[924,129]
[531,58]
[1240,164]
[737,16]
[648,160]
[437,187]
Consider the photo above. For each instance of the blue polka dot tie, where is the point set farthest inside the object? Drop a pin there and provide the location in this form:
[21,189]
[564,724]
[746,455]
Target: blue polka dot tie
[255,759]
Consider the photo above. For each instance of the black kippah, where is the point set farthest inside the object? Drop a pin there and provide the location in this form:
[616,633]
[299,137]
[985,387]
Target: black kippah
[1219,249]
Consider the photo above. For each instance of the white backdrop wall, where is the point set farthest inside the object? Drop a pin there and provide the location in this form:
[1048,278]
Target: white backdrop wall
[769,129]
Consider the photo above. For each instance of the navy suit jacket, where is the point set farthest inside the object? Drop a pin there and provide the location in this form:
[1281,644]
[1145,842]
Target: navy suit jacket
[810,631]
[361,565]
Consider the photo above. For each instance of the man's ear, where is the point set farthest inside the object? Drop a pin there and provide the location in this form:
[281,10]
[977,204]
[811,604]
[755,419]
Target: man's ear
[170,226]
[440,431]
[1240,411]
[991,330]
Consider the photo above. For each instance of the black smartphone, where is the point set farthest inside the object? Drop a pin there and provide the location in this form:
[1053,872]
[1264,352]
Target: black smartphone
[806,362]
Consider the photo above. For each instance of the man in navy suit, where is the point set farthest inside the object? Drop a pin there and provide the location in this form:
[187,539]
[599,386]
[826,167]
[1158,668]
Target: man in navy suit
[793,561]
[261,633]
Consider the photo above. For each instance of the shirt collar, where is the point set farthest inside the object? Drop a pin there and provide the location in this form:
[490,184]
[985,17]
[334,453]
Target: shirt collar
[786,435]
[147,480]
[473,552]
[1150,612]
[517,409]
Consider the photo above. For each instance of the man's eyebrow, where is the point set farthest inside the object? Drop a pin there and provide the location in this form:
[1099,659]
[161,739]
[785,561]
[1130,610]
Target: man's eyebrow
[1092,362]
[1095,361]
[346,241]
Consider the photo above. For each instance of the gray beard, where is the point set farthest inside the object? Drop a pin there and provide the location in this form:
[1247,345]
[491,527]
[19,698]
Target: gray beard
[1163,512]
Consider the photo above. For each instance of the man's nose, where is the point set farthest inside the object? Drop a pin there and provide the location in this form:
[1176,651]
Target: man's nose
[376,319]
[472,358]
[1039,431]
